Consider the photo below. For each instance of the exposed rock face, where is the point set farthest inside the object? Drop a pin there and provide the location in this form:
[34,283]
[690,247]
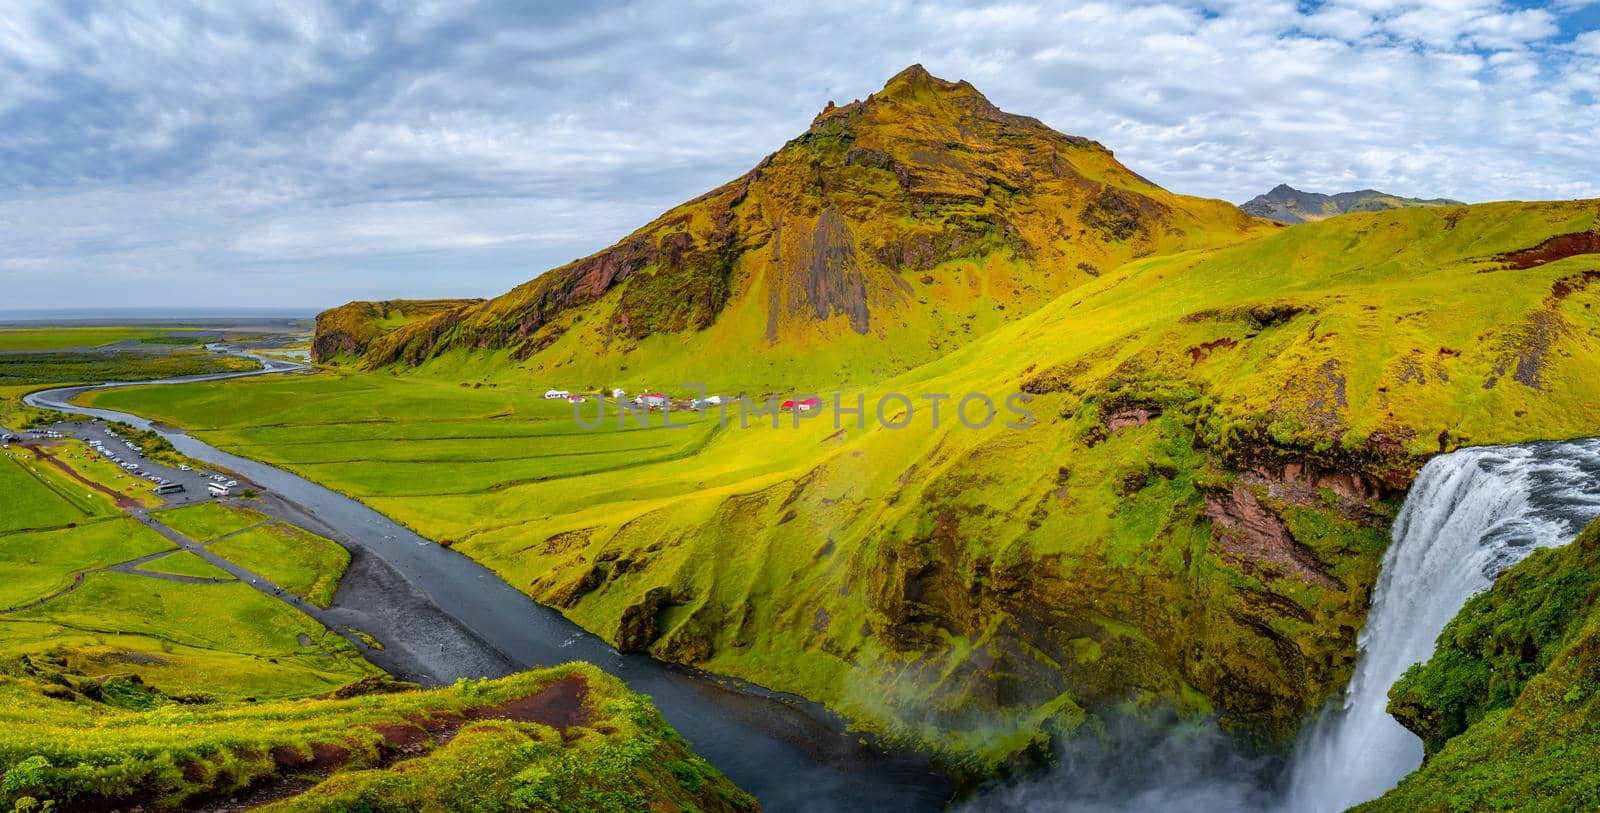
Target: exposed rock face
[1555,248]
[834,285]
[1130,418]
[1248,529]
[636,630]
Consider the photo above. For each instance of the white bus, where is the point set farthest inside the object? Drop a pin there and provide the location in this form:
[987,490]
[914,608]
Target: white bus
[217,489]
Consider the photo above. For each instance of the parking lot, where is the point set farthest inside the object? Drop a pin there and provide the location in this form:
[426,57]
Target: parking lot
[137,468]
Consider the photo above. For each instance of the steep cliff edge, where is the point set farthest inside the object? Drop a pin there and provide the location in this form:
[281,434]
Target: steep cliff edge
[1509,706]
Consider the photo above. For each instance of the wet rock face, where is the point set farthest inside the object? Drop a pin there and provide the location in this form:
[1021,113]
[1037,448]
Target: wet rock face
[1247,529]
[833,282]
[637,628]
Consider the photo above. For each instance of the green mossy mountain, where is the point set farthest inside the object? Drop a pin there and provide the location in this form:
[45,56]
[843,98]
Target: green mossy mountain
[892,231]
[1508,707]
[1285,204]
[1227,416]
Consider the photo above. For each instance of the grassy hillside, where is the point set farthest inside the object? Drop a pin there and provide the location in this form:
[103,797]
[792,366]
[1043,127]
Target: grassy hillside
[892,231]
[569,738]
[1508,706]
[1195,517]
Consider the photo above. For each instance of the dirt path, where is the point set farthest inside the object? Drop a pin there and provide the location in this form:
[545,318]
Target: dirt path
[132,568]
[123,501]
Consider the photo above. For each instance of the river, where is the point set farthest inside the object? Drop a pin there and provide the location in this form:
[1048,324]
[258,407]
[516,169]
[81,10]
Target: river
[791,754]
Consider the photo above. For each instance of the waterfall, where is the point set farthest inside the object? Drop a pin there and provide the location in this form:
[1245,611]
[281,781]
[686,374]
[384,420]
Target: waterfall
[1470,515]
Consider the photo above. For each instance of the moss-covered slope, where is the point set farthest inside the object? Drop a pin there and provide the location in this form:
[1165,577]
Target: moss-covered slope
[569,738]
[1509,706]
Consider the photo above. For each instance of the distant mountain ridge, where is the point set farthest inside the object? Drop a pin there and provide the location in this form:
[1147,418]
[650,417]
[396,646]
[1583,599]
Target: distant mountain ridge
[1286,204]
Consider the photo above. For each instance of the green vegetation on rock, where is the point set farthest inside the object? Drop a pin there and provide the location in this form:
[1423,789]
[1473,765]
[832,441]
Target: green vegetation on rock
[569,738]
[1508,707]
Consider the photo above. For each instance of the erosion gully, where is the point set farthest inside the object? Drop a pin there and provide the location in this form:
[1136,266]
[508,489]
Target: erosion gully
[442,616]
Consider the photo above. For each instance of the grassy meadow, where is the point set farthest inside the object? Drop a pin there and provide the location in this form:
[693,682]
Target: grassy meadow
[203,522]
[184,563]
[218,640]
[35,339]
[40,496]
[296,560]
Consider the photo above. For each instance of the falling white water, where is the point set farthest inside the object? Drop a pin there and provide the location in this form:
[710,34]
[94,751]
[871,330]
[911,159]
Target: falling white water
[1470,515]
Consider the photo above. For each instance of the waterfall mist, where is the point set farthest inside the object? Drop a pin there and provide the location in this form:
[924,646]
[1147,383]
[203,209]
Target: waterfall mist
[1139,764]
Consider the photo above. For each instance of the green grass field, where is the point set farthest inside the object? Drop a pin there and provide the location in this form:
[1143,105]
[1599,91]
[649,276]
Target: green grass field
[184,563]
[221,617]
[206,521]
[221,640]
[38,563]
[343,428]
[40,495]
[296,560]
[61,338]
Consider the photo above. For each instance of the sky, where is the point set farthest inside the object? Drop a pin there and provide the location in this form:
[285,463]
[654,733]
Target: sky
[246,154]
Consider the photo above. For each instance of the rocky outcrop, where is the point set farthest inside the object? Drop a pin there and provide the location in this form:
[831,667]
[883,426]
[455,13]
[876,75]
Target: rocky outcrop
[350,330]
[637,629]
[1551,249]
[1248,530]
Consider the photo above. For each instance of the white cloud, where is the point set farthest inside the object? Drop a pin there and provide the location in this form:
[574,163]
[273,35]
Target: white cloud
[314,153]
